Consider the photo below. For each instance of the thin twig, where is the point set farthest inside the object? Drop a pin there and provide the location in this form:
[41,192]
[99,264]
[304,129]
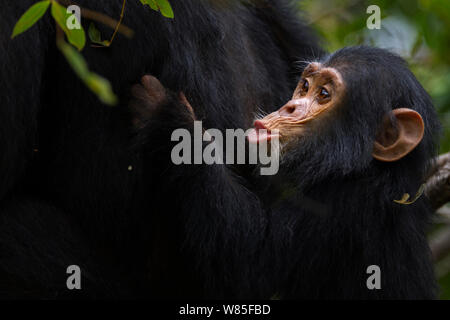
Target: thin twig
[119,23]
[108,21]
[104,19]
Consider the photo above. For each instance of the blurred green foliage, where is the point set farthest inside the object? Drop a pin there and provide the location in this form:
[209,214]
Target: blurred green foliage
[418,30]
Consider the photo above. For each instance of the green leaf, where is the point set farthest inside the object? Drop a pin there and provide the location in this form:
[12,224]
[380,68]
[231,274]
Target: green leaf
[94,34]
[30,17]
[76,37]
[160,5]
[96,37]
[102,88]
[75,59]
[97,84]
[165,8]
[151,3]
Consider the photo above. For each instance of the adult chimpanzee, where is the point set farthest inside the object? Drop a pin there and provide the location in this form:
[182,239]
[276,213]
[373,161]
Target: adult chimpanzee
[72,187]
[359,132]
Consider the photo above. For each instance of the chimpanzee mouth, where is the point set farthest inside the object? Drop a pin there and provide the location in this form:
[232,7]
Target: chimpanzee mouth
[261,133]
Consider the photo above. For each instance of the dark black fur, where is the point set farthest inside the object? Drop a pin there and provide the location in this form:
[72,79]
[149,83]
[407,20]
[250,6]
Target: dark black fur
[75,201]
[334,214]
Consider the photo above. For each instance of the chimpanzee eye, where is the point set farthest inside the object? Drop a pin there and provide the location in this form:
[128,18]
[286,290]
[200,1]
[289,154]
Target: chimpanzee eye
[305,86]
[324,94]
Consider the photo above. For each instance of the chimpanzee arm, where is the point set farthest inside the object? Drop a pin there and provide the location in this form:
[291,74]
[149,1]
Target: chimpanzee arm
[220,223]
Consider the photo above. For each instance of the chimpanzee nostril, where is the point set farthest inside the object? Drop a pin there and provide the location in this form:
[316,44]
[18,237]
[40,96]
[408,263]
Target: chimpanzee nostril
[288,109]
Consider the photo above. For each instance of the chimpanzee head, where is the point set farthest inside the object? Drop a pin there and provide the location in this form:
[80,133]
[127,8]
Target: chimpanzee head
[355,110]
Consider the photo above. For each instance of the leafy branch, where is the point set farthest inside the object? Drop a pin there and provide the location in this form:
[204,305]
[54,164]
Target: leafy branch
[77,38]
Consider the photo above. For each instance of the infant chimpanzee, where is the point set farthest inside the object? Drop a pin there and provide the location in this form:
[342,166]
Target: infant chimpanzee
[359,132]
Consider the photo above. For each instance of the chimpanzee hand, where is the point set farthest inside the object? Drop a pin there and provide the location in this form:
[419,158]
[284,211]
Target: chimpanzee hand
[150,100]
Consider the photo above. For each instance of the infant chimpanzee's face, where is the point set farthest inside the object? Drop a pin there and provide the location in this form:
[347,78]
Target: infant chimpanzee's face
[323,90]
[319,90]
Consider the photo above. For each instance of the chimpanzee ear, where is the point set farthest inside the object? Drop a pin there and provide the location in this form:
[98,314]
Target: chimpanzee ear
[394,141]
